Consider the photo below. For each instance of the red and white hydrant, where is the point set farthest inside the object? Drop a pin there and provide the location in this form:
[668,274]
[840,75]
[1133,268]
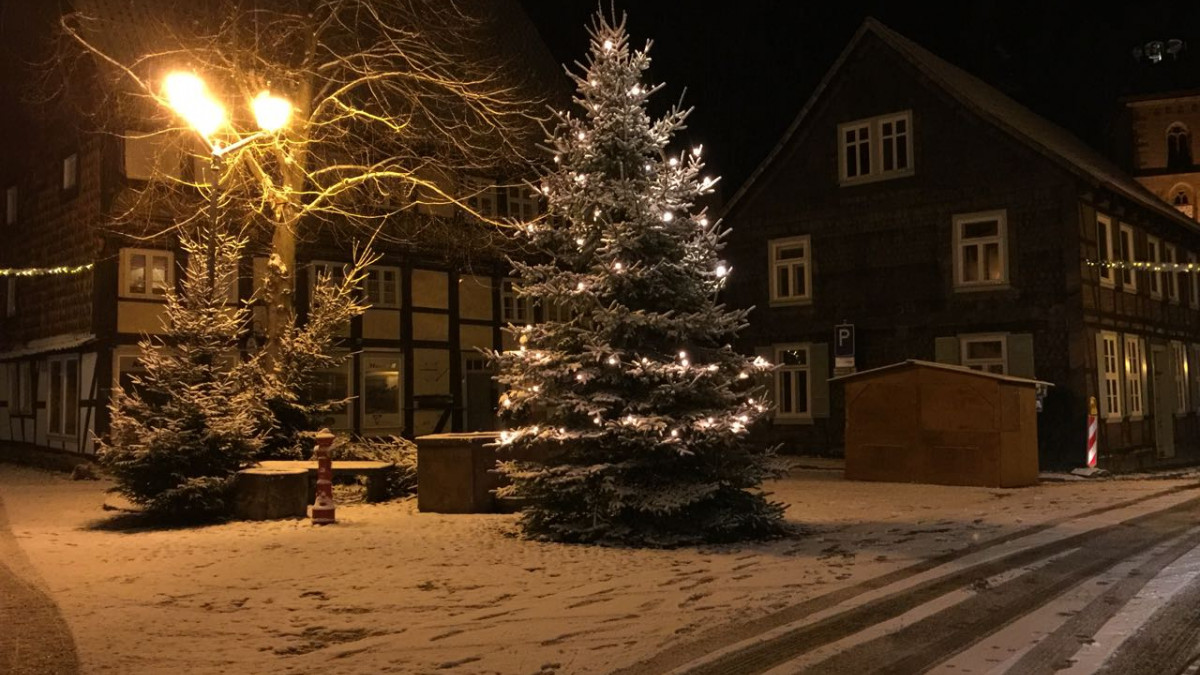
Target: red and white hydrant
[323,508]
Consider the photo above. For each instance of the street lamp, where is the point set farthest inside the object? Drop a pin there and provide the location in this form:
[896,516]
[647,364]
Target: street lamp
[188,96]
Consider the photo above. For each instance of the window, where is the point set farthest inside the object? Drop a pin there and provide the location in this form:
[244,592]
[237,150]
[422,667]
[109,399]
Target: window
[980,258]
[792,387]
[1170,257]
[381,389]
[1135,374]
[1193,276]
[1128,277]
[146,273]
[1181,198]
[331,385]
[70,172]
[1179,146]
[383,287]
[10,205]
[876,148]
[1104,249]
[513,307]
[1154,256]
[558,312]
[20,378]
[1110,375]
[63,401]
[791,271]
[522,202]
[1179,362]
[480,196]
[335,271]
[10,296]
[987,353]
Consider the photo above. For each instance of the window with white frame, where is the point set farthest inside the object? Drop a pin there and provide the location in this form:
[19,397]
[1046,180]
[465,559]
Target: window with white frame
[791,269]
[1154,257]
[10,205]
[988,353]
[1193,277]
[514,308]
[317,269]
[1110,375]
[146,273]
[1180,363]
[793,389]
[1172,277]
[63,401]
[1104,248]
[980,249]
[382,287]
[876,148]
[479,194]
[70,172]
[1135,374]
[1128,277]
[522,202]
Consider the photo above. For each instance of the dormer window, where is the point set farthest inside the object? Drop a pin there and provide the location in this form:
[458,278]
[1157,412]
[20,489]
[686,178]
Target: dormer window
[1179,147]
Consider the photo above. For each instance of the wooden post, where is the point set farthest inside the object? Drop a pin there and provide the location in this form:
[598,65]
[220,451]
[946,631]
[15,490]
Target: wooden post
[323,507]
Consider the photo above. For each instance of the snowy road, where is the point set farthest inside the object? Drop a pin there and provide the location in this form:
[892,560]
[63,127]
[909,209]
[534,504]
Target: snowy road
[1114,590]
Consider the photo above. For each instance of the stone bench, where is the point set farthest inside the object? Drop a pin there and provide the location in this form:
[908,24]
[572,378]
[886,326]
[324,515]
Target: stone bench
[375,473]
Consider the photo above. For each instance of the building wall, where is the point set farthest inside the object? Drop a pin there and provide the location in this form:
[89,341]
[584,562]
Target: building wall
[1149,121]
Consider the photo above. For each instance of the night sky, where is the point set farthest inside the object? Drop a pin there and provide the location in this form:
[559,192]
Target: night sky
[749,68]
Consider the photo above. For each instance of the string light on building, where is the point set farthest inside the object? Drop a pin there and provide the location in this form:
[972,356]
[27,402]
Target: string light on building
[45,271]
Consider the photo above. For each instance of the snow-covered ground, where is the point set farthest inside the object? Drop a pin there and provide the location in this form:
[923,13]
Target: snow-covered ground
[389,589]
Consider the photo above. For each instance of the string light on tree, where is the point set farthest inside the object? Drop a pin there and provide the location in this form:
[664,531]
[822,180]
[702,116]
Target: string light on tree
[618,184]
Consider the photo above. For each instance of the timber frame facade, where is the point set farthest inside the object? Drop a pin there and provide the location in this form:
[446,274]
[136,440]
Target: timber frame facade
[415,364]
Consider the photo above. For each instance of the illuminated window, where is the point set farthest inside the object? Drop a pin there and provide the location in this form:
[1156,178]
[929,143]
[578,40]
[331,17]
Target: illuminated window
[876,148]
[790,269]
[792,386]
[1180,363]
[1110,375]
[980,250]
[987,353]
[146,273]
[1135,374]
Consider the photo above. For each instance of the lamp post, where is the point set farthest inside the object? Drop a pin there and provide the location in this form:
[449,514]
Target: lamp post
[187,95]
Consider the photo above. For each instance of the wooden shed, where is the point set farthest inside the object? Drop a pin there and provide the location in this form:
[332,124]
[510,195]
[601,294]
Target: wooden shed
[924,422]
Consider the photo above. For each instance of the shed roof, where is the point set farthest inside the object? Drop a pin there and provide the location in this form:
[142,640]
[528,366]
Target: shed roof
[912,363]
[994,107]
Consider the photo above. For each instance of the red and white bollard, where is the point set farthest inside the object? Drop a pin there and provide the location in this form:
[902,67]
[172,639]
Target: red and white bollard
[323,508]
[1093,428]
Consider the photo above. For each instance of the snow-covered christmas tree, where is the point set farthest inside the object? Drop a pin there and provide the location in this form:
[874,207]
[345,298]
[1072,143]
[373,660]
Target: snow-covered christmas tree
[632,407]
[180,434]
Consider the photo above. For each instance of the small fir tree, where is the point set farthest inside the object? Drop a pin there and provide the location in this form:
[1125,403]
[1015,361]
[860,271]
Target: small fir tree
[179,436]
[306,349]
[635,408]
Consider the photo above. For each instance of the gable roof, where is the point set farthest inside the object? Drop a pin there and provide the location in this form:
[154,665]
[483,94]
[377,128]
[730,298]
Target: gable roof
[918,363]
[1034,131]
